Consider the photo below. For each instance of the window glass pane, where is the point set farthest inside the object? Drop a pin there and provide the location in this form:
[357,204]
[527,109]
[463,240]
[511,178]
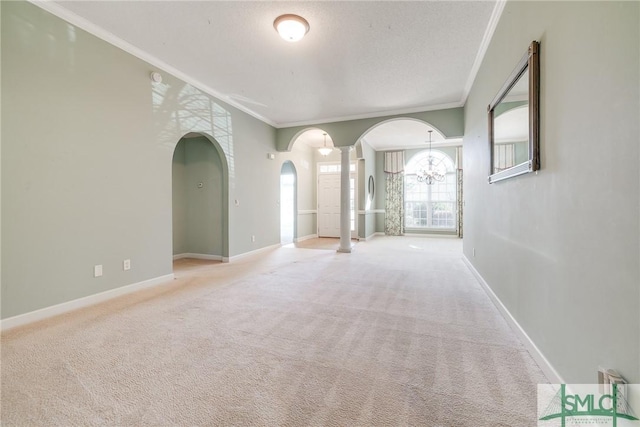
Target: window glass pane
[430,205]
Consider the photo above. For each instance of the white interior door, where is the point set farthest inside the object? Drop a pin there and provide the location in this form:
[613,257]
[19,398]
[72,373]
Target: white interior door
[329,205]
[329,200]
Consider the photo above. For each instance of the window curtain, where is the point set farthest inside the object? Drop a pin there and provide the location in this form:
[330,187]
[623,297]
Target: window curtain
[394,202]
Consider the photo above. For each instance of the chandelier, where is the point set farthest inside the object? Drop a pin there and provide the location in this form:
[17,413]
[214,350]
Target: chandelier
[324,150]
[433,173]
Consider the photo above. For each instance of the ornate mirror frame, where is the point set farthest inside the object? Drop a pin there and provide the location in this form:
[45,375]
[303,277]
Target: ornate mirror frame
[529,62]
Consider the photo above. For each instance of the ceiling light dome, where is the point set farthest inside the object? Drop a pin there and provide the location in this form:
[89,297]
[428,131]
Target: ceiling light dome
[292,28]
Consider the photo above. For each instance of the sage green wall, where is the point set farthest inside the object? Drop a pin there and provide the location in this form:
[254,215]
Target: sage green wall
[561,248]
[197,211]
[521,151]
[87,152]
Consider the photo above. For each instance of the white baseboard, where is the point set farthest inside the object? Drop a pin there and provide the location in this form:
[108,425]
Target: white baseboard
[54,310]
[307,237]
[437,235]
[199,256]
[544,364]
[254,252]
[370,236]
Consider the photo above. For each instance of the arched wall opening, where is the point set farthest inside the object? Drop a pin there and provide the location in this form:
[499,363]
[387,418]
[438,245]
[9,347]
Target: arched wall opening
[200,199]
[406,132]
[319,183]
[426,209]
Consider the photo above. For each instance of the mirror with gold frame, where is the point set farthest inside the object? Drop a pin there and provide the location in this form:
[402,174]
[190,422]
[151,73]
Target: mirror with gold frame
[514,121]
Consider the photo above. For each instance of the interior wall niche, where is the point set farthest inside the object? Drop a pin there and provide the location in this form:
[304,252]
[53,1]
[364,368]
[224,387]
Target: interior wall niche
[197,198]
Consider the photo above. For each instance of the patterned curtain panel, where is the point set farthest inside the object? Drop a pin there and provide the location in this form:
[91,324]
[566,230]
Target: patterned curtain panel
[459,186]
[394,203]
[459,174]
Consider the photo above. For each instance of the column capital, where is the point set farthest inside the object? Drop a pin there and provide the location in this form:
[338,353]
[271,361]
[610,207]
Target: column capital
[346,148]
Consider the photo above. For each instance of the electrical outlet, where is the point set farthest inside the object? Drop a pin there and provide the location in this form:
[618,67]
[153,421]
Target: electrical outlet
[126,264]
[253,238]
[474,252]
[97,270]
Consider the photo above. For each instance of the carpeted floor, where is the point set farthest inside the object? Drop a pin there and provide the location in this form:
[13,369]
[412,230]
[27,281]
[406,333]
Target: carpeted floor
[326,243]
[396,333]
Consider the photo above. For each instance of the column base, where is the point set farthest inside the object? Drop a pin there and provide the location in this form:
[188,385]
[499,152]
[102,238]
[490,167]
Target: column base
[344,250]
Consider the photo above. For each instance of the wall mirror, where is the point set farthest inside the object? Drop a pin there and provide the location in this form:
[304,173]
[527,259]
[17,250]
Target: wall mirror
[371,187]
[514,121]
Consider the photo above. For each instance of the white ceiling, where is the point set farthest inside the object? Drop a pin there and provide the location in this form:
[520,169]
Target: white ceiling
[359,59]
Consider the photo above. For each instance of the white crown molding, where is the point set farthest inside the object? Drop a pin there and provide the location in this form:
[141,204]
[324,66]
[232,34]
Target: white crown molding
[65,307]
[107,36]
[116,41]
[549,371]
[484,45]
[373,115]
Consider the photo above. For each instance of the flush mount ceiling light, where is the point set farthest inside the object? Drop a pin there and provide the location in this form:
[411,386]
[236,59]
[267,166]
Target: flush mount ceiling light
[292,28]
[325,151]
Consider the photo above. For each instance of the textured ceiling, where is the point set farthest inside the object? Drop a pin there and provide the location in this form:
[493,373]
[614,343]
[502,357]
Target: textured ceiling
[359,59]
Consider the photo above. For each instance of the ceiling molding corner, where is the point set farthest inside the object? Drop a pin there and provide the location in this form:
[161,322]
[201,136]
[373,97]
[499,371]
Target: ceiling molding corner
[484,45]
[99,32]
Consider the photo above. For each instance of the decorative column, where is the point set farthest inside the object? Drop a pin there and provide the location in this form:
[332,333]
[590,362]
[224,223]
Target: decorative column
[345,202]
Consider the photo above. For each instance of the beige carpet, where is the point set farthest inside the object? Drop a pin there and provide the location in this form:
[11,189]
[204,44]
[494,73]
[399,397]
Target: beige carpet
[324,243]
[396,333]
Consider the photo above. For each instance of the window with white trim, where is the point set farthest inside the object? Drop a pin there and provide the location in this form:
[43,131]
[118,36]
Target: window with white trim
[430,206]
[334,168]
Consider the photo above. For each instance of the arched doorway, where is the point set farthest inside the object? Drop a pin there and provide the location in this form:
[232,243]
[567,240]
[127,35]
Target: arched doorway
[288,199]
[200,199]
[409,205]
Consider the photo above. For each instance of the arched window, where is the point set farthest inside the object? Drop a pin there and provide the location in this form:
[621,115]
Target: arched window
[430,205]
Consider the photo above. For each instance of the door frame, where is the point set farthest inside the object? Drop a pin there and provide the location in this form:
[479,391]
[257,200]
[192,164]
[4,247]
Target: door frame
[352,174]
